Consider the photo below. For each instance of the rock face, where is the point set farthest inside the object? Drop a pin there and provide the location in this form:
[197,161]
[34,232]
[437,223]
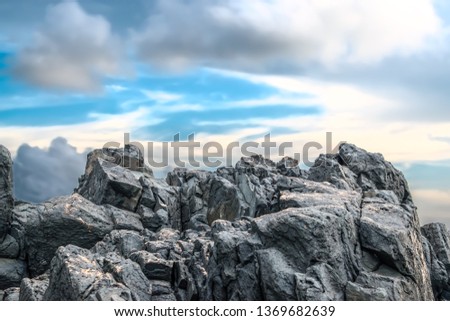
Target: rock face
[6,194]
[347,229]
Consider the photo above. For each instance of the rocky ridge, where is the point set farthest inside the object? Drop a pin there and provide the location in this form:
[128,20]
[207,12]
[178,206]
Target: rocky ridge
[346,229]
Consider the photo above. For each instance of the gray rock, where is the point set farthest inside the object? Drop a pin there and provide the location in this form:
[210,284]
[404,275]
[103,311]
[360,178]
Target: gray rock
[225,201]
[9,248]
[373,172]
[122,242]
[33,289]
[11,294]
[76,275]
[11,272]
[129,274]
[6,191]
[394,236]
[153,220]
[438,273]
[385,284]
[154,267]
[438,236]
[60,221]
[108,183]
[125,220]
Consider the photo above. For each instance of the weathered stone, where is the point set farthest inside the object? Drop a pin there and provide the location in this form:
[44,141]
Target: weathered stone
[11,272]
[11,294]
[125,220]
[76,275]
[154,268]
[6,191]
[33,289]
[9,248]
[108,183]
[60,221]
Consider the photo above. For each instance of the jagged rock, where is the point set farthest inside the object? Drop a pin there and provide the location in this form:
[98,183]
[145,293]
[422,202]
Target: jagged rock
[373,172]
[154,268]
[385,284]
[438,273]
[60,221]
[33,289]
[345,230]
[9,248]
[393,235]
[122,242]
[76,275]
[11,272]
[11,294]
[437,246]
[6,193]
[153,220]
[108,183]
[165,197]
[129,274]
[225,201]
[439,237]
[125,220]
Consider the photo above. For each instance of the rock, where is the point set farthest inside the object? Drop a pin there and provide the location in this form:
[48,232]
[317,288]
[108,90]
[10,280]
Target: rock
[154,267]
[11,272]
[33,289]
[394,236]
[76,275]
[122,242]
[153,220]
[60,221]
[6,191]
[125,220]
[129,274]
[225,201]
[438,236]
[107,183]
[11,294]
[345,230]
[385,284]
[373,172]
[9,248]
[438,273]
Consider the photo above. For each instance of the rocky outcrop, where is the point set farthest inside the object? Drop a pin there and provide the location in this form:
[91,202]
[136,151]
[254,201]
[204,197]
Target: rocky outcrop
[347,229]
[6,194]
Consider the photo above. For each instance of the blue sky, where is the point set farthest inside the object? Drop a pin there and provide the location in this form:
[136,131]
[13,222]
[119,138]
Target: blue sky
[374,73]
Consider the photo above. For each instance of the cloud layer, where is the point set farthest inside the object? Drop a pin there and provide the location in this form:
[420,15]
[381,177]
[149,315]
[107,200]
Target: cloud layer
[72,50]
[40,174]
[276,35]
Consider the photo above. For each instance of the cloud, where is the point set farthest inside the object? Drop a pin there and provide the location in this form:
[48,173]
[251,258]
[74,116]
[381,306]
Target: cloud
[40,174]
[72,50]
[281,34]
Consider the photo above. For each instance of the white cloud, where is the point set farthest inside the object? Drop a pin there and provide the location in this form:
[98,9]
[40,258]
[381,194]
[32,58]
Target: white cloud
[161,97]
[101,129]
[279,34]
[72,50]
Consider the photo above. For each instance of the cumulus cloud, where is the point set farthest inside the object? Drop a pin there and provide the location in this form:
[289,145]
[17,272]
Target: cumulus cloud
[40,174]
[72,50]
[278,34]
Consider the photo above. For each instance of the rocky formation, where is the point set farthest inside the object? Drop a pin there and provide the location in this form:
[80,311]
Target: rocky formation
[346,229]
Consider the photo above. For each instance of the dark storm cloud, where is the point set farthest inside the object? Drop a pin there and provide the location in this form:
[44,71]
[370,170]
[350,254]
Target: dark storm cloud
[40,174]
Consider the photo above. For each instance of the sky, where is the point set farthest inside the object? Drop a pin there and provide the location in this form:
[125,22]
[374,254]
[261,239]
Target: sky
[75,75]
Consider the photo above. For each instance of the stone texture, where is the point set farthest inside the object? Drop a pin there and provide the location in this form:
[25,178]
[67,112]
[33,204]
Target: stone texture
[6,191]
[347,229]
